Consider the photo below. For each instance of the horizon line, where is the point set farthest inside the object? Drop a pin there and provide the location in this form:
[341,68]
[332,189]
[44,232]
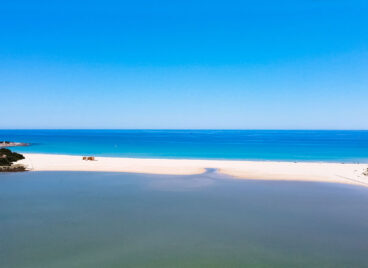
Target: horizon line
[195,129]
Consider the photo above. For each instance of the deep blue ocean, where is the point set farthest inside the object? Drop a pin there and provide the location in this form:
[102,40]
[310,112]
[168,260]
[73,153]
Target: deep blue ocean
[284,145]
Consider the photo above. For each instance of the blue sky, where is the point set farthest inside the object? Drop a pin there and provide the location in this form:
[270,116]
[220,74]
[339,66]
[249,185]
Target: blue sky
[184,64]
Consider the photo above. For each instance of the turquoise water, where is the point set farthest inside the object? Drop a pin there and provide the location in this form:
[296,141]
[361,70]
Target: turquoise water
[333,146]
[71,219]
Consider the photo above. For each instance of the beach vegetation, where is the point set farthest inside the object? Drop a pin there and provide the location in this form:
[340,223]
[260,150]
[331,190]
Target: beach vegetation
[7,157]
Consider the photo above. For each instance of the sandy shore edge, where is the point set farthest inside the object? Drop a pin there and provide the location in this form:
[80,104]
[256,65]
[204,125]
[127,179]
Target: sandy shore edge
[257,170]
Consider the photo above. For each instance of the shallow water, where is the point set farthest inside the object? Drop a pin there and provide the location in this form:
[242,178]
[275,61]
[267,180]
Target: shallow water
[83,219]
[285,145]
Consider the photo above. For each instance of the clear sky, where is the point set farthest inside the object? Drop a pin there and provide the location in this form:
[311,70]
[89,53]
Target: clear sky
[293,64]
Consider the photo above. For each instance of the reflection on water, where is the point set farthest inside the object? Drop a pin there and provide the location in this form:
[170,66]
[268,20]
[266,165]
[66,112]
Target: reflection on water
[184,183]
[76,219]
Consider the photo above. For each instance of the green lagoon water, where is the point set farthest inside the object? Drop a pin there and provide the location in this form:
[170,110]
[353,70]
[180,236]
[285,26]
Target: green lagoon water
[76,219]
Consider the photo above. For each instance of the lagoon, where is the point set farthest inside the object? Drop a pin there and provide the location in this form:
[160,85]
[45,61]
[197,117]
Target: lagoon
[94,219]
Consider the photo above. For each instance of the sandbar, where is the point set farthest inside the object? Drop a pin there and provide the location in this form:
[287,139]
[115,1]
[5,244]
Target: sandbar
[345,173]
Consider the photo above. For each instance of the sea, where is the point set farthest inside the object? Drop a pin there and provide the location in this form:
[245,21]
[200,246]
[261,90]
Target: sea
[272,145]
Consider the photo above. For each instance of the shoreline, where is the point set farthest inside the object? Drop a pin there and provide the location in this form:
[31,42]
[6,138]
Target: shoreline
[344,173]
[315,161]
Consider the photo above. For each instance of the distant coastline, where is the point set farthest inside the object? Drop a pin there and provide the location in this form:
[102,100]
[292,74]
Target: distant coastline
[4,144]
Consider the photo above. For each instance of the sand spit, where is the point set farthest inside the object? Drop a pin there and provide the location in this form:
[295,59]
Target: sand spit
[257,170]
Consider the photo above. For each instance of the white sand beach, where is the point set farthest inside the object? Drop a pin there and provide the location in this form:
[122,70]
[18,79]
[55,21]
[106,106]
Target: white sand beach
[255,170]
